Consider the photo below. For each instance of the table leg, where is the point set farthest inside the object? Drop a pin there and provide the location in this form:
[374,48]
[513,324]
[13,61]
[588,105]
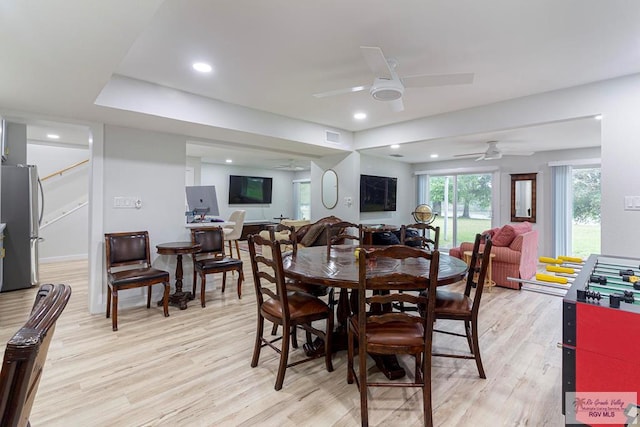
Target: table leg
[179,298]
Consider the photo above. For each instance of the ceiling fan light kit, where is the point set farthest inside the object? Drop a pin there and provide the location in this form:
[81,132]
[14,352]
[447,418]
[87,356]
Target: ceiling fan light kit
[386,90]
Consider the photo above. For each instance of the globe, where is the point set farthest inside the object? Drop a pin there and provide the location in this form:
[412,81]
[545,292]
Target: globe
[423,214]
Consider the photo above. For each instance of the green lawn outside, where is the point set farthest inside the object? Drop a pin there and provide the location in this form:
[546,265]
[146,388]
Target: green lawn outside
[467,229]
[586,239]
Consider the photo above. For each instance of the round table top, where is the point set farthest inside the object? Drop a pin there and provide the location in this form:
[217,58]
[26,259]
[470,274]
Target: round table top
[177,248]
[341,269]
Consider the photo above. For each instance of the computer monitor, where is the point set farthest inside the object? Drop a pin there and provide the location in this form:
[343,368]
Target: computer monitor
[202,200]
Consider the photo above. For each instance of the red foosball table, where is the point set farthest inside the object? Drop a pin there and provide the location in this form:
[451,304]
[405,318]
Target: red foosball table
[601,343]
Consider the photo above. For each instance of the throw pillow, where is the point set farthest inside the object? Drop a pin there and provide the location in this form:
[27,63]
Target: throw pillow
[522,227]
[505,236]
[312,235]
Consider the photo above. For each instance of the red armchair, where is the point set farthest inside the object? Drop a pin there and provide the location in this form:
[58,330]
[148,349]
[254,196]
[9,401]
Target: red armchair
[516,250]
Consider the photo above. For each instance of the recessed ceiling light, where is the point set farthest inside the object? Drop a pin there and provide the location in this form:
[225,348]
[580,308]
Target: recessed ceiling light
[202,67]
[53,136]
[598,117]
[360,116]
[434,156]
[228,161]
[395,146]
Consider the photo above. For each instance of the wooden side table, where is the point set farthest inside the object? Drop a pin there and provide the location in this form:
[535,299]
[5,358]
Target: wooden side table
[488,281]
[178,298]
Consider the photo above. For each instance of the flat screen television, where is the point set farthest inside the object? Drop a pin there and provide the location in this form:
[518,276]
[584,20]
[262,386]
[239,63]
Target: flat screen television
[377,193]
[249,190]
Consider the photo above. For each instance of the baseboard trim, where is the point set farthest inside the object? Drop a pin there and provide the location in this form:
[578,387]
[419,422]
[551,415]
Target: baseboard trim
[77,257]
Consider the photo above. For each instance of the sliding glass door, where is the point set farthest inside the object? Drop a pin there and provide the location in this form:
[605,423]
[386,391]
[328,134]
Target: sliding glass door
[463,203]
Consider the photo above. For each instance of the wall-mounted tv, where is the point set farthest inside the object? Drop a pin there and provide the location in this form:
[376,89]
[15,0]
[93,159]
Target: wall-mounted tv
[244,190]
[377,193]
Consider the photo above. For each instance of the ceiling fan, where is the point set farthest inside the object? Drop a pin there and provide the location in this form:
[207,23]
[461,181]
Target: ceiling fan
[388,86]
[493,152]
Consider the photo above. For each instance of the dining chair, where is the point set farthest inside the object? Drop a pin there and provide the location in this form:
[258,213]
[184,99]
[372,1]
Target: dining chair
[286,236]
[128,267]
[420,235]
[464,307]
[234,233]
[338,232]
[386,332]
[288,309]
[212,259]
[26,354]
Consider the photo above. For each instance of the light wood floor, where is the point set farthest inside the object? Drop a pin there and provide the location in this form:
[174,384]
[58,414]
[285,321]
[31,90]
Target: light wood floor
[193,368]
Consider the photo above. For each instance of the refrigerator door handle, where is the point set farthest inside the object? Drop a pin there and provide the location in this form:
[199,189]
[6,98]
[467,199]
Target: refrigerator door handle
[41,204]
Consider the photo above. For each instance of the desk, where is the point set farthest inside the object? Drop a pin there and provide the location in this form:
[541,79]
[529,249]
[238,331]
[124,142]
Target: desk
[178,298]
[210,224]
[340,270]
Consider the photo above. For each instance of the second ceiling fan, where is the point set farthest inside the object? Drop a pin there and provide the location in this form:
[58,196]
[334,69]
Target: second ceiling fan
[493,152]
[388,86]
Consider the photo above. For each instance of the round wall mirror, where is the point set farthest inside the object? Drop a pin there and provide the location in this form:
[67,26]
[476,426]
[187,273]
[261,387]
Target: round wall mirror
[329,189]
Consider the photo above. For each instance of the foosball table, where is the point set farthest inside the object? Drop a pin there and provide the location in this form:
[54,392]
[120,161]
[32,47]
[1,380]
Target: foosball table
[601,342]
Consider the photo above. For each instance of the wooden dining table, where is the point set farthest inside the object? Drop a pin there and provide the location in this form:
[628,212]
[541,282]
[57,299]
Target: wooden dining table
[339,269]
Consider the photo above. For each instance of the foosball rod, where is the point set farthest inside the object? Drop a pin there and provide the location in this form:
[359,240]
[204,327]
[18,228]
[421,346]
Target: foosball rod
[543,283]
[555,293]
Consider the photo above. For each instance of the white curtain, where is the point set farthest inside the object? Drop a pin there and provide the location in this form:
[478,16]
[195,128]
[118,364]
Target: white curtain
[561,180]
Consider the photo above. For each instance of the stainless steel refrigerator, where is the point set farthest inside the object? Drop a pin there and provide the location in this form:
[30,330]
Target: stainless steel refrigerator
[22,212]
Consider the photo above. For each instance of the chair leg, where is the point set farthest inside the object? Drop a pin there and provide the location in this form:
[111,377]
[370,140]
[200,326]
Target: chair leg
[193,284]
[467,331]
[284,356]
[114,318]
[362,373]
[149,296]
[274,329]
[237,248]
[224,280]
[294,336]
[350,347]
[258,344]
[240,277]
[108,301]
[476,349]
[165,298]
[230,249]
[328,343]
[203,285]
[426,390]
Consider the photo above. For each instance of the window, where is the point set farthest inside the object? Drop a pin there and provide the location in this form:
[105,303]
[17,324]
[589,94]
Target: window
[463,203]
[302,199]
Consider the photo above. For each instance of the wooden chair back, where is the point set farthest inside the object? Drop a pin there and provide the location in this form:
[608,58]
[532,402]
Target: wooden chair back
[290,241]
[26,353]
[127,249]
[428,236]
[478,267]
[211,240]
[268,273]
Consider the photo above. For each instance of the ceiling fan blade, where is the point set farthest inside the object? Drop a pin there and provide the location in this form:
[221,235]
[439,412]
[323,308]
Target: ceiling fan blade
[377,62]
[517,153]
[427,80]
[468,154]
[341,91]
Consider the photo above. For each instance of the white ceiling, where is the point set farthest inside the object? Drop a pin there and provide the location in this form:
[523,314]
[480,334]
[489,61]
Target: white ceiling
[272,56]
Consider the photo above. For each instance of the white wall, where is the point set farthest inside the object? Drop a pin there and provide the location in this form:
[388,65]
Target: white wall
[150,166]
[67,238]
[281,200]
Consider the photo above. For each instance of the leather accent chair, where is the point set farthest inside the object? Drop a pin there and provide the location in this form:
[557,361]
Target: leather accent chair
[128,267]
[212,259]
